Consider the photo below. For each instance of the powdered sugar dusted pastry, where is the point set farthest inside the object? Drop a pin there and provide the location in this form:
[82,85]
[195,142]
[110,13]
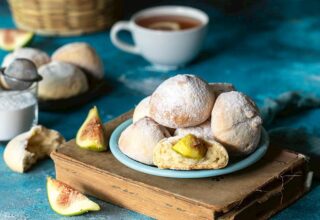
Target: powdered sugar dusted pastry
[37,56]
[142,109]
[181,101]
[166,158]
[61,80]
[218,88]
[139,139]
[201,131]
[81,55]
[236,123]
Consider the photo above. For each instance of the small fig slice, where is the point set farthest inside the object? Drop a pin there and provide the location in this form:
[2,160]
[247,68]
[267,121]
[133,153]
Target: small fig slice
[11,39]
[67,201]
[91,135]
[190,146]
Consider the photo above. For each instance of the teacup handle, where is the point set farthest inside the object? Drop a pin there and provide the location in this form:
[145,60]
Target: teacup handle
[120,26]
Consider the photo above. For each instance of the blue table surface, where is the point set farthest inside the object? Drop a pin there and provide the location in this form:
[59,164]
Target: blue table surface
[266,50]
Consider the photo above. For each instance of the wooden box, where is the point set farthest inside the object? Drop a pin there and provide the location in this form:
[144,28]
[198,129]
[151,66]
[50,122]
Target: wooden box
[256,192]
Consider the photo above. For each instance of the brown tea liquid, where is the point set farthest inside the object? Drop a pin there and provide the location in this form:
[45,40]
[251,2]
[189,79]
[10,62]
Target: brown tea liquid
[168,22]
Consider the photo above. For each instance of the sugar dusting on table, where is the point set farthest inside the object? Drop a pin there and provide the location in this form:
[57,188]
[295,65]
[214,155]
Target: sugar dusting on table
[145,86]
[136,79]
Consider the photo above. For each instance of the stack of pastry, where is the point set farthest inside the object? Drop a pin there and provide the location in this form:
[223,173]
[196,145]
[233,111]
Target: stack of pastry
[188,124]
[65,74]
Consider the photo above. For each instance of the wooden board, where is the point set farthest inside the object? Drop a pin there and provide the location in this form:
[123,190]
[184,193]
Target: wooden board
[258,191]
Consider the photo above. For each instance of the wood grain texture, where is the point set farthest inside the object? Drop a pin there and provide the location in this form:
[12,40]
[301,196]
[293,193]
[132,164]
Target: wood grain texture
[226,197]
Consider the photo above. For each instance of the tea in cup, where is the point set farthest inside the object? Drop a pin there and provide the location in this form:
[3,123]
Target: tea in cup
[166,36]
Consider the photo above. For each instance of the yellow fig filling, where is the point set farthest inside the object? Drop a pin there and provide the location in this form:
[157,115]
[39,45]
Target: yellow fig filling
[191,147]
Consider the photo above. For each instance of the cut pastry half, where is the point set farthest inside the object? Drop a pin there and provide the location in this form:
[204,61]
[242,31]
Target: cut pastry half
[165,157]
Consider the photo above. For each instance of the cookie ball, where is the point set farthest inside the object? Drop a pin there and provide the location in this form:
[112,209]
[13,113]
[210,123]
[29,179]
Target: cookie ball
[181,101]
[142,109]
[218,88]
[202,131]
[81,55]
[236,123]
[139,139]
[37,56]
[61,80]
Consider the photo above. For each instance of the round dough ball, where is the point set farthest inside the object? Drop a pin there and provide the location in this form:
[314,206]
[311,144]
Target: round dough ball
[202,131]
[61,80]
[142,109]
[236,123]
[38,57]
[81,55]
[139,139]
[181,101]
[218,88]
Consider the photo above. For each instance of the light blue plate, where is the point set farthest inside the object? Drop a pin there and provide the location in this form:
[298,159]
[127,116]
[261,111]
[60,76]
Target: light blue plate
[152,170]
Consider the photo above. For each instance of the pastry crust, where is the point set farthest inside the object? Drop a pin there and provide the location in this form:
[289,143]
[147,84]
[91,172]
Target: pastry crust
[236,123]
[139,139]
[61,80]
[181,101]
[26,149]
[218,88]
[81,55]
[166,158]
[142,109]
[202,131]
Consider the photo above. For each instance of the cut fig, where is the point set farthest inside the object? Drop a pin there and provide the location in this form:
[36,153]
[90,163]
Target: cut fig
[91,135]
[11,39]
[67,201]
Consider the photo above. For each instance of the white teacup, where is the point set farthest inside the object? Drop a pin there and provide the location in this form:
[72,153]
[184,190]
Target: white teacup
[169,49]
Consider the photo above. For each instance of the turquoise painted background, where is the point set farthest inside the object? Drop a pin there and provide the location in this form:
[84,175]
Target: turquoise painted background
[266,50]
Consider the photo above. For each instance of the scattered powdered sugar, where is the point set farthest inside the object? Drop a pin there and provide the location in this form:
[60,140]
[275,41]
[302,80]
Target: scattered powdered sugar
[10,216]
[16,100]
[136,79]
[145,86]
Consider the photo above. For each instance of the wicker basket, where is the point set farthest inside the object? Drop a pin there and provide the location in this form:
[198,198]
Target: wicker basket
[65,17]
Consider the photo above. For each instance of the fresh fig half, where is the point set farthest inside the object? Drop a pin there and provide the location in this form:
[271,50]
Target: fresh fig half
[67,201]
[11,39]
[91,135]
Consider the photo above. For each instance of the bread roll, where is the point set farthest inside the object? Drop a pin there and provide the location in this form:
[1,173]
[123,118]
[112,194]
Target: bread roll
[139,139]
[142,109]
[181,101]
[81,55]
[37,56]
[61,80]
[202,131]
[166,158]
[218,88]
[26,149]
[236,123]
